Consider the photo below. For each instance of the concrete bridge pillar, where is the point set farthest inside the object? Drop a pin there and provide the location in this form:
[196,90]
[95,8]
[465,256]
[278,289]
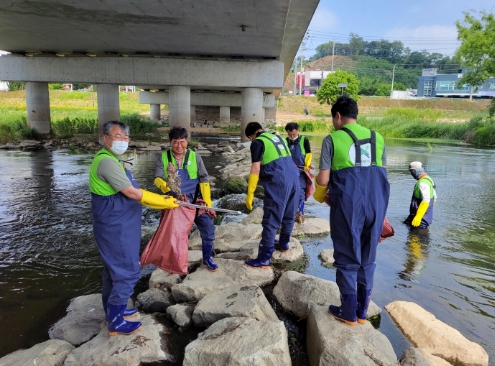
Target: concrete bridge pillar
[38,106]
[193,115]
[155,112]
[180,107]
[224,115]
[108,106]
[271,114]
[251,108]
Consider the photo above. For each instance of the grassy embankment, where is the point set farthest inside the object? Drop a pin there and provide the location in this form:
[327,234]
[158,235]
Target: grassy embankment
[71,113]
[76,113]
[429,119]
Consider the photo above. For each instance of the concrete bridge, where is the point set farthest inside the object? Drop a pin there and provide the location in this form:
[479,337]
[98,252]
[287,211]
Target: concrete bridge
[176,51]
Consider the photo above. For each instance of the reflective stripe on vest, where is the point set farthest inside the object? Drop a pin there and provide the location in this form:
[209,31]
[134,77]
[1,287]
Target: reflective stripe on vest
[189,160]
[275,147]
[96,185]
[367,151]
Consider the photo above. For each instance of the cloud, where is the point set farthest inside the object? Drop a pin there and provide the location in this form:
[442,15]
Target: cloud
[433,38]
[323,21]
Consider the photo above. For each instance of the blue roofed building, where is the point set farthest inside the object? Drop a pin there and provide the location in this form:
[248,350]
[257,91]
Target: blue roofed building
[431,84]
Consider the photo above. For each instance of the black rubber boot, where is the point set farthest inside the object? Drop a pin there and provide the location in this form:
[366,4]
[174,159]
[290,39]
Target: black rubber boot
[363,301]
[347,311]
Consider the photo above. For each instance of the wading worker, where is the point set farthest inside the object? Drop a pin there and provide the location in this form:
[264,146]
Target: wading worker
[300,151]
[352,172]
[194,183]
[423,197]
[116,209]
[274,168]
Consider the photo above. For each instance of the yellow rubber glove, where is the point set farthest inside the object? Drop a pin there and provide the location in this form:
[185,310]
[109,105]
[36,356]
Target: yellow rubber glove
[307,161]
[161,184]
[320,192]
[252,183]
[157,201]
[206,193]
[423,206]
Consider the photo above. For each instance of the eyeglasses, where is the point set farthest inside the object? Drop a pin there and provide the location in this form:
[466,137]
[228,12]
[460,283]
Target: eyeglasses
[119,137]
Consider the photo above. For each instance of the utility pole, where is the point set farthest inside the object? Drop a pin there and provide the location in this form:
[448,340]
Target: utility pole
[393,76]
[303,48]
[333,52]
[295,75]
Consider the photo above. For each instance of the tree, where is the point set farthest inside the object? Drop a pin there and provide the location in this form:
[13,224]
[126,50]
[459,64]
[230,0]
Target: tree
[476,51]
[16,85]
[330,90]
[383,90]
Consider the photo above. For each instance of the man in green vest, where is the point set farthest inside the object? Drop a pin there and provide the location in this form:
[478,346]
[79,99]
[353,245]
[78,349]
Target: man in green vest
[300,151]
[352,173]
[116,209]
[272,165]
[195,184]
[423,197]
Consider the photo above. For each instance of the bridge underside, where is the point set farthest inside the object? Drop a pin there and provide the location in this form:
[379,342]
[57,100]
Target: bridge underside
[177,46]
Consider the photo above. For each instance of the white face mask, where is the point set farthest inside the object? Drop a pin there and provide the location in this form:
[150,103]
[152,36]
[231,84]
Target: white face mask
[119,147]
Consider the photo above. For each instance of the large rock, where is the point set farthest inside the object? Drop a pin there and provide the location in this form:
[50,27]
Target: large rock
[30,144]
[163,280]
[82,322]
[156,300]
[311,227]
[240,342]
[235,301]
[181,314]
[147,345]
[294,291]
[255,217]
[331,342]
[236,184]
[326,257]
[230,237]
[250,251]
[230,273]
[239,164]
[427,332]
[420,357]
[237,202]
[48,353]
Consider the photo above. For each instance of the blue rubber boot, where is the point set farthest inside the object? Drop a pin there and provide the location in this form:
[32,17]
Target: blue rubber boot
[347,311]
[128,313]
[283,248]
[363,301]
[116,322]
[207,261]
[263,259]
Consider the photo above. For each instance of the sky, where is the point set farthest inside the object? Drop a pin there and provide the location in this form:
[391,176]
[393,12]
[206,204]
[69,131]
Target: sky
[420,24]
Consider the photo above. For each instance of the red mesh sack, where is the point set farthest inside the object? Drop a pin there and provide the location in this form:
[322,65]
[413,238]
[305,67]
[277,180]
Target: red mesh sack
[387,230]
[310,188]
[167,248]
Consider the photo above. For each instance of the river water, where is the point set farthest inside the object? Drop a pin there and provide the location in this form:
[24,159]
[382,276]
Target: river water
[48,255]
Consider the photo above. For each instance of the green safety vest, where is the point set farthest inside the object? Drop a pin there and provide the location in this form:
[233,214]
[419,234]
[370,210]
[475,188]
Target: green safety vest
[189,157]
[301,144]
[342,143]
[417,192]
[275,147]
[96,185]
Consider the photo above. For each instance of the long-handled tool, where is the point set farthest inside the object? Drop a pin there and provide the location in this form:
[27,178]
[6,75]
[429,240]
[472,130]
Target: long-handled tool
[180,203]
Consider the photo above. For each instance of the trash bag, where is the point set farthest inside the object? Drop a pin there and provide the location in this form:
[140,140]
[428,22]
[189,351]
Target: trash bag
[310,188]
[167,248]
[387,230]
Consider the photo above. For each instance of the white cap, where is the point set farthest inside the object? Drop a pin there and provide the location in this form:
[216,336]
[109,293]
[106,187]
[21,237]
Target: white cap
[416,165]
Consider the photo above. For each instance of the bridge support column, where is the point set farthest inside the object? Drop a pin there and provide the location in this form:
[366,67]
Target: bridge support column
[180,107]
[193,115]
[251,108]
[271,114]
[108,106]
[155,112]
[38,106]
[224,115]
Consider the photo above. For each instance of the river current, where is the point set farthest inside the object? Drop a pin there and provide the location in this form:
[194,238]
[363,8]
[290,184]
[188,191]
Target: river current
[48,254]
